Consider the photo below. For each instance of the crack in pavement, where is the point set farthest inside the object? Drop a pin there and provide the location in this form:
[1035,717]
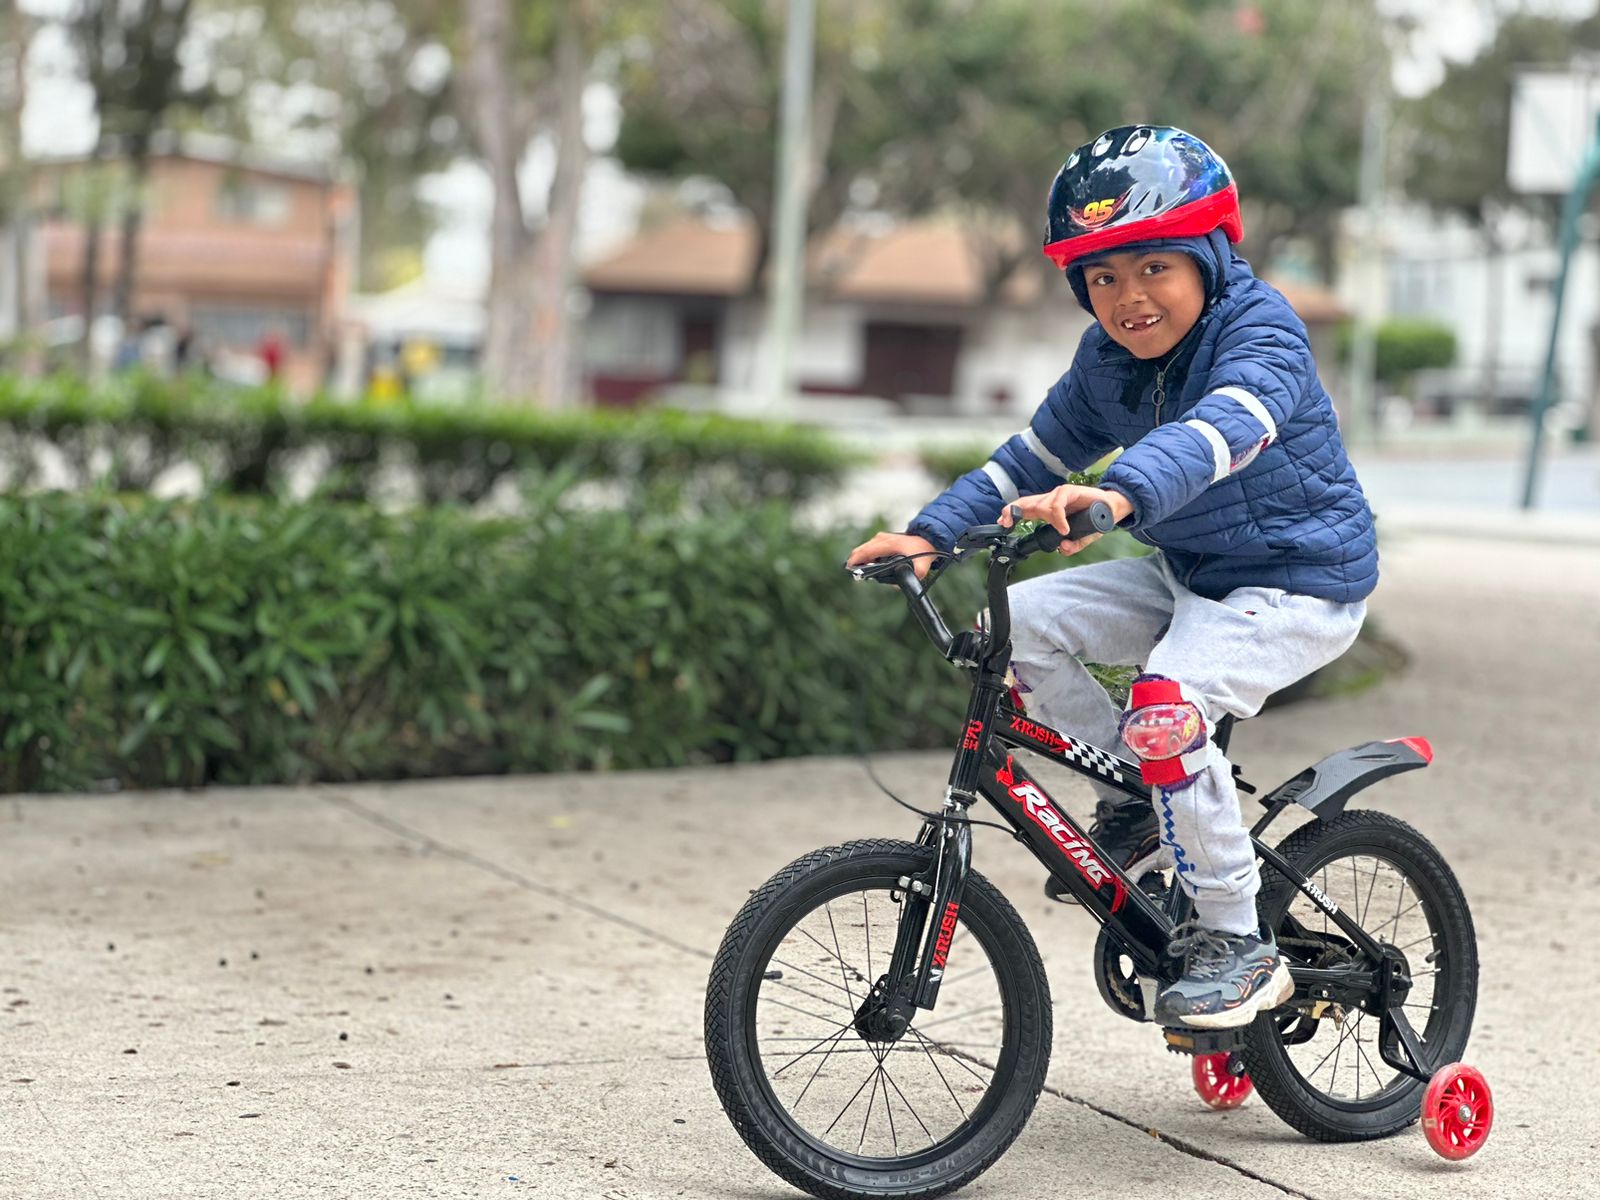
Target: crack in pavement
[483,864]
[507,874]
[1180,1144]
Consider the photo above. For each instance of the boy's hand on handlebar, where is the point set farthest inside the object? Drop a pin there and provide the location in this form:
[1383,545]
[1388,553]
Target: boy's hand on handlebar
[1057,505]
[891,545]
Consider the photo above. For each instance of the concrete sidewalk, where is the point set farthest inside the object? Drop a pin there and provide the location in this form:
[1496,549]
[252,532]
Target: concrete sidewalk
[477,988]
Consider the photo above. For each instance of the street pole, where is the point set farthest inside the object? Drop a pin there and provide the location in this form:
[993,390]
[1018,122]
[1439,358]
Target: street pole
[1362,415]
[786,280]
[1571,212]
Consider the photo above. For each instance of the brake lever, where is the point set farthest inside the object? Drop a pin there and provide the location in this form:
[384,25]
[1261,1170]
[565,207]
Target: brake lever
[879,570]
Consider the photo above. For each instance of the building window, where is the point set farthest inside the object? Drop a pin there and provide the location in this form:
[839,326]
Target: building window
[245,327]
[254,201]
[630,336]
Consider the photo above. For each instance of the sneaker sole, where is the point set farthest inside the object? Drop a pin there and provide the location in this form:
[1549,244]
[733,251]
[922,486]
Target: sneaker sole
[1268,998]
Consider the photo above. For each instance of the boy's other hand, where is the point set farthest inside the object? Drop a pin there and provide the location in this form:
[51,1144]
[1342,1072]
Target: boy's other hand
[889,545]
[1057,505]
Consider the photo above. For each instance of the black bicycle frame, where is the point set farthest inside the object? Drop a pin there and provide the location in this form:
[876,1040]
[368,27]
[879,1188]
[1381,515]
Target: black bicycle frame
[985,767]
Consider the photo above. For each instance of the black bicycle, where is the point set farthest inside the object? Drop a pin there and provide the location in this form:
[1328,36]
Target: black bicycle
[878,1020]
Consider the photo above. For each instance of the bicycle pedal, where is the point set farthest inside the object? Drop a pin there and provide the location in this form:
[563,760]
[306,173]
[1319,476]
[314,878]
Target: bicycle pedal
[1184,1040]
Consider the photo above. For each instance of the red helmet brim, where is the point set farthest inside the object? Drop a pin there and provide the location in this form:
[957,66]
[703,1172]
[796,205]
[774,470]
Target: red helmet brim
[1217,211]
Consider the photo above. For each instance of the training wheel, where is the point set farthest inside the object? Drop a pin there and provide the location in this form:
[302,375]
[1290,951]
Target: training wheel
[1457,1111]
[1218,1086]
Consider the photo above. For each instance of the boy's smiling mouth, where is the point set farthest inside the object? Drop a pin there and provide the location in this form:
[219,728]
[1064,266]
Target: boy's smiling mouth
[1140,324]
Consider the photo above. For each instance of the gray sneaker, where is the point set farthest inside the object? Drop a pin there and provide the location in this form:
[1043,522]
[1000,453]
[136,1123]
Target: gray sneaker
[1227,979]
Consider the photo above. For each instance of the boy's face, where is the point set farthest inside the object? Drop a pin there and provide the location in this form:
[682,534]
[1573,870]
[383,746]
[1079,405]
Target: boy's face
[1146,301]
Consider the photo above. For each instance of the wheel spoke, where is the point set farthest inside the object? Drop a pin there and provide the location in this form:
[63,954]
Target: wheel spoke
[923,1042]
[812,1049]
[955,1058]
[824,948]
[813,975]
[883,1077]
[843,974]
[909,1108]
[801,1011]
[956,1016]
[1365,904]
[870,1077]
[821,1062]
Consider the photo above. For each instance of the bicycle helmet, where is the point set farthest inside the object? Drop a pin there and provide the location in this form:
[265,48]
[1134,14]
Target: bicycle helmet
[1138,183]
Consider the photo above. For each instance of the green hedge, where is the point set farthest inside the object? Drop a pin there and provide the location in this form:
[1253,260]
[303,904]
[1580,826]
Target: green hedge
[1404,346]
[231,641]
[127,432]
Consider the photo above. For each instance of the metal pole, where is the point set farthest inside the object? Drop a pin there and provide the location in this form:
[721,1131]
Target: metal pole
[1571,211]
[1363,389]
[786,285]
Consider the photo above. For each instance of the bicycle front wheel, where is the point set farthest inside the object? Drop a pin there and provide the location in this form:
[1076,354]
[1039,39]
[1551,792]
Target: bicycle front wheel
[843,1116]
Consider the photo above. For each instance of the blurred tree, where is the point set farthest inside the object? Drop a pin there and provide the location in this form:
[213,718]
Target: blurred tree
[1456,142]
[700,97]
[129,50]
[365,83]
[527,64]
[924,104]
[16,218]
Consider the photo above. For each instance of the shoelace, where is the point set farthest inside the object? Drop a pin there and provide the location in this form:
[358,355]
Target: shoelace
[1208,950]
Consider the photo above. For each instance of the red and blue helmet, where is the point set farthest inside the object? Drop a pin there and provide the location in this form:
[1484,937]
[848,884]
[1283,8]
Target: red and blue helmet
[1138,183]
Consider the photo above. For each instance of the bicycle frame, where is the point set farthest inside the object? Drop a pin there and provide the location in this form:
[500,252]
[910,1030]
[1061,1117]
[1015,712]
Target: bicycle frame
[985,767]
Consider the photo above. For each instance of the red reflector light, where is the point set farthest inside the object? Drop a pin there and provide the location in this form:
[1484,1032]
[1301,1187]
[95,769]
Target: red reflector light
[1419,744]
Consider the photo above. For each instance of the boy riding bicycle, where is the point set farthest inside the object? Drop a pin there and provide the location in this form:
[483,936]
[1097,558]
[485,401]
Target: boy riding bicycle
[1233,469]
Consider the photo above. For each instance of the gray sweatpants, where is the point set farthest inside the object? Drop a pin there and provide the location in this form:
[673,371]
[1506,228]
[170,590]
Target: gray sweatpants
[1228,656]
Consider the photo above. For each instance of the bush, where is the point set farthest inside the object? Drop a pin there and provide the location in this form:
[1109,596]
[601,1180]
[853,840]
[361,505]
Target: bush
[130,431]
[1406,345]
[230,641]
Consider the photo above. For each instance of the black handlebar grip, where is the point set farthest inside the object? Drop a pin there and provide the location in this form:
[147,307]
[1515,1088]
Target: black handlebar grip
[1096,518]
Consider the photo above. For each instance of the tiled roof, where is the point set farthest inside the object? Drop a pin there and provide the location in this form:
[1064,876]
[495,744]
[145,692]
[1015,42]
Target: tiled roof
[927,262]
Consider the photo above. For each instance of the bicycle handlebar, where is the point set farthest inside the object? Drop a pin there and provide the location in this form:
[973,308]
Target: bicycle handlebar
[1095,519]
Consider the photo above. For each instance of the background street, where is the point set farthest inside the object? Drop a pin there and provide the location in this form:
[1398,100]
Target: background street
[475,988]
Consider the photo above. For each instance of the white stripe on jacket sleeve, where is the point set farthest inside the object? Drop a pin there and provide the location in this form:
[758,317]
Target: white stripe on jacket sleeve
[1002,482]
[1221,457]
[1252,406]
[1031,440]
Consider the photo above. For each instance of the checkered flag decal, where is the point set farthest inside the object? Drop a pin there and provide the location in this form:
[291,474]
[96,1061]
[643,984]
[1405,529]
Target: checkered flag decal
[1097,760]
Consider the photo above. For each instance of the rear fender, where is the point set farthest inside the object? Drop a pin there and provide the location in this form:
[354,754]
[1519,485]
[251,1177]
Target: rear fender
[1325,786]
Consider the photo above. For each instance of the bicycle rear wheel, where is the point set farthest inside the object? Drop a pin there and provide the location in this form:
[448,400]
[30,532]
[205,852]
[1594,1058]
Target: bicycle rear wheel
[1320,1069]
[833,1112]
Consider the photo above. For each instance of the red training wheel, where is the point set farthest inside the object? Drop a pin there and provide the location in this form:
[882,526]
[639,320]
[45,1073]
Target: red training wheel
[1218,1086]
[1457,1111]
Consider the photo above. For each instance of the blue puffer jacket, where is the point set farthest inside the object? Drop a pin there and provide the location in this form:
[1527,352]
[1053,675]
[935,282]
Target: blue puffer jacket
[1236,471]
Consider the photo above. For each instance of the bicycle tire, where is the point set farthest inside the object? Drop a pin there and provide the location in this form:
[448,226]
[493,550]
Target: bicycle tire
[1354,835]
[734,1057]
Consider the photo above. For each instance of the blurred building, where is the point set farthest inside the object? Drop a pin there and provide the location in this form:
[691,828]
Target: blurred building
[252,257]
[899,312]
[1499,308]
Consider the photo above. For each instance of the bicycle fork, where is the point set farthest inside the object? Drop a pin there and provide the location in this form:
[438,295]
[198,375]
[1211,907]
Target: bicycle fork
[922,945]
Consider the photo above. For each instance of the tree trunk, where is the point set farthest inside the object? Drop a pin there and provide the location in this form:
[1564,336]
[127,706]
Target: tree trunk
[132,223]
[18,194]
[507,364]
[89,280]
[555,259]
